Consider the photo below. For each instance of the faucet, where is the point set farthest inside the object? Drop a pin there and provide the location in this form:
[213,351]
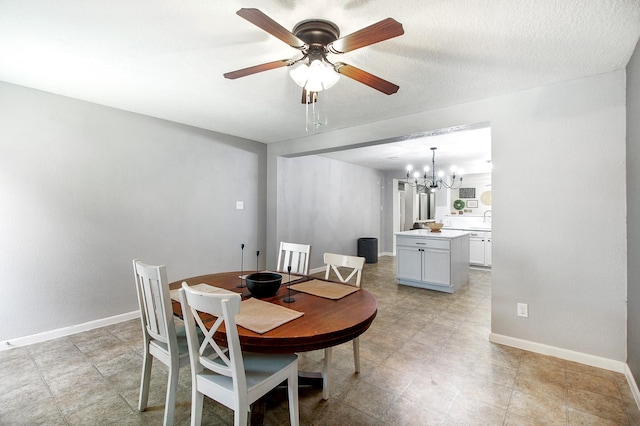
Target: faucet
[484,216]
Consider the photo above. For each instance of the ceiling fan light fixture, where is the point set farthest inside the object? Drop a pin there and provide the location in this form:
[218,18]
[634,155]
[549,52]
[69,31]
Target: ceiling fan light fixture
[299,74]
[328,76]
[315,77]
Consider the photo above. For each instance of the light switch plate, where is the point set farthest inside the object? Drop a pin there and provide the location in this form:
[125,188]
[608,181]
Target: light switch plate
[523,310]
[239,205]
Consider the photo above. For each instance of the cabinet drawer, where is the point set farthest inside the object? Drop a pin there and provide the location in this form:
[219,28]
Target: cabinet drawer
[441,244]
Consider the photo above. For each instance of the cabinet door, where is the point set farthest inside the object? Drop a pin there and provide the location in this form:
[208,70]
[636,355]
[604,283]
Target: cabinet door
[487,251]
[476,251]
[437,266]
[409,262]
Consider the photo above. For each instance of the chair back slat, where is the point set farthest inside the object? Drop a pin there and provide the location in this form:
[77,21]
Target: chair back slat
[294,255]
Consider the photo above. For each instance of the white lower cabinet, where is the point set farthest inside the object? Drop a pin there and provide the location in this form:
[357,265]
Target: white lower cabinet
[476,249]
[409,263]
[480,248]
[435,263]
[423,264]
[436,266]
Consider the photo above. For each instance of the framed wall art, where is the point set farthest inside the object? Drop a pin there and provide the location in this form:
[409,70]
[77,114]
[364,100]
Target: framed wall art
[467,193]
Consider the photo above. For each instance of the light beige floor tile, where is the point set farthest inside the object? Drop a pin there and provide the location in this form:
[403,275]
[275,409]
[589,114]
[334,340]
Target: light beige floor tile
[470,412]
[435,393]
[33,413]
[369,399]
[387,377]
[598,405]
[486,392]
[110,410]
[537,409]
[409,413]
[595,384]
[343,414]
[579,418]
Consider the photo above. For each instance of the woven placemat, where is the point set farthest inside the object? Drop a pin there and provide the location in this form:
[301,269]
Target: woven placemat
[325,289]
[260,317]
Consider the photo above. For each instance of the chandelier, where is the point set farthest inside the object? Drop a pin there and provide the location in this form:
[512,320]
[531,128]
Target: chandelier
[436,180]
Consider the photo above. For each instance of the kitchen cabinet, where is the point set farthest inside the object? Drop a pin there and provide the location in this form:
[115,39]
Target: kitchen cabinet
[436,261]
[480,248]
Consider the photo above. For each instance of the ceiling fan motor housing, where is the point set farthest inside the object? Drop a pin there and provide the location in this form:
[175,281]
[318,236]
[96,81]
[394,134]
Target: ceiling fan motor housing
[317,32]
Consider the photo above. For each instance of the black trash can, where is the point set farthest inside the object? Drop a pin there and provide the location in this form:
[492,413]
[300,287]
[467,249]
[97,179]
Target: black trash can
[368,248]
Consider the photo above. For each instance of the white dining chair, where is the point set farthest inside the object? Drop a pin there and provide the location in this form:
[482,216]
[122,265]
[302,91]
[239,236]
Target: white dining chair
[294,255]
[162,340]
[338,266]
[229,376]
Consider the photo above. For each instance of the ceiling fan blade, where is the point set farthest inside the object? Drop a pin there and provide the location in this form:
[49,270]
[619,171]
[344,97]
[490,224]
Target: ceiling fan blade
[364,77]
[259,19]
[257,68]
[383,30]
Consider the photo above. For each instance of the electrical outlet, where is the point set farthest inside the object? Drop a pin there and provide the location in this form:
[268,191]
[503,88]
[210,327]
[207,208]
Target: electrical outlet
[239,205]
[523,310]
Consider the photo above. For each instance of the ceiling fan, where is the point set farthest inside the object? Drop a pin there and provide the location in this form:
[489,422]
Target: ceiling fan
[315,39]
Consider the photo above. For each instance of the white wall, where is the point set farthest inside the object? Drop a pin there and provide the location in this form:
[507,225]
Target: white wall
[84,189]
[328,204]
[550,146]
[481,182]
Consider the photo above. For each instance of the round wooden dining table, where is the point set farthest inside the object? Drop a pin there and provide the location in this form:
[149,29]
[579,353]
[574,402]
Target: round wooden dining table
[325,323]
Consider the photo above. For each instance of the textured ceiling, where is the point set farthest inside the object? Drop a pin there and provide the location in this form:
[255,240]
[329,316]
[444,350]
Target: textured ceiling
[468,148]
[166,58]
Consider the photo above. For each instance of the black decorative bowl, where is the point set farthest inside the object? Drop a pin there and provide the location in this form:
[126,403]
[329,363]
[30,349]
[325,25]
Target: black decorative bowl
[263,284]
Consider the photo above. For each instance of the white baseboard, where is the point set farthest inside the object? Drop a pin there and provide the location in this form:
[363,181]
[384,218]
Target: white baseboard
[582,358]
[66,331]
[317,270]
[632,384]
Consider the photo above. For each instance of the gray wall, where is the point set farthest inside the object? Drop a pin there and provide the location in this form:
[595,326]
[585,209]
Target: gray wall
[84,189]
[633,207]
[328,204]
[551,250]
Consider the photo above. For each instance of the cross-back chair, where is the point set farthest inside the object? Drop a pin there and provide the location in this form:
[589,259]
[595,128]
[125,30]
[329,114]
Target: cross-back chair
[229,376]
[348,270]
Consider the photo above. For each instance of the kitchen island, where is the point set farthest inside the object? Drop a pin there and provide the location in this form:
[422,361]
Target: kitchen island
[433,260]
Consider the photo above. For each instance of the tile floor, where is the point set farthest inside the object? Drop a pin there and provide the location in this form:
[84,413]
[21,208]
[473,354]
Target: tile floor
[426,360]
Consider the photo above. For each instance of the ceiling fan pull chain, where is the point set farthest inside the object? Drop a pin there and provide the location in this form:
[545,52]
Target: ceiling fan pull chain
[308,98]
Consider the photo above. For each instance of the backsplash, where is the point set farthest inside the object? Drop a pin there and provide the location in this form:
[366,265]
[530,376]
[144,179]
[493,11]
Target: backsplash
[465,221]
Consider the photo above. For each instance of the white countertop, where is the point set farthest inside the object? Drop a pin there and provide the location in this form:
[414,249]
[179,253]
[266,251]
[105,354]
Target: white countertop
[425,233]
